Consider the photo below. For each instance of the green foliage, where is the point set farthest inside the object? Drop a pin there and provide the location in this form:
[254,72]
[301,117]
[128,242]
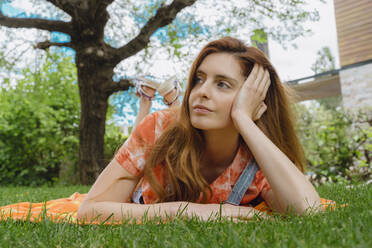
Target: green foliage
[259,36]
[337,143]
[39,126]
[325,61]
[38,122]
[114,138]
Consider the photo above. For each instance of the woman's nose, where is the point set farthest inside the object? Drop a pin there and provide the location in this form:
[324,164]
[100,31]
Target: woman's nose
[204,89]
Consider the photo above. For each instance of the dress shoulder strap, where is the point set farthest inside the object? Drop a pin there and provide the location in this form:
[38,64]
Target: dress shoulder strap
[243,183]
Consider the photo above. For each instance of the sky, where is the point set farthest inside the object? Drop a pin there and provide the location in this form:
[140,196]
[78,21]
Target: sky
[296,63]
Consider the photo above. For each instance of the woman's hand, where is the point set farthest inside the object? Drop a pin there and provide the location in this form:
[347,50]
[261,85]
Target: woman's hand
[207,212]
[249,101]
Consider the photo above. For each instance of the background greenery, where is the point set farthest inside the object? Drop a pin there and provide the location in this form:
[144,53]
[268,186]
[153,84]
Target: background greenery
[337,143]
[39,126]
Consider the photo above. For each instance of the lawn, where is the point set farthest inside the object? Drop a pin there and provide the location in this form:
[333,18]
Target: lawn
[345,227]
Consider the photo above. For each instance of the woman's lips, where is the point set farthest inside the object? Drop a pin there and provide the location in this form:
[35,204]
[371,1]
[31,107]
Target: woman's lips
[201,110]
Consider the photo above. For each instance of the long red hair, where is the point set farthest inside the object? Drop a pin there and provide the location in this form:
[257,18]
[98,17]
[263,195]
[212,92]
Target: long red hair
[180,148]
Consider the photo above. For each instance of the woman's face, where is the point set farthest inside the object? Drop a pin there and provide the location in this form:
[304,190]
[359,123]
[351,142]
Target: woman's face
[218,80]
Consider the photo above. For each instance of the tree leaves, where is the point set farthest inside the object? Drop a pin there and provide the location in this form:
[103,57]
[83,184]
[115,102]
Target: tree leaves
[39,126]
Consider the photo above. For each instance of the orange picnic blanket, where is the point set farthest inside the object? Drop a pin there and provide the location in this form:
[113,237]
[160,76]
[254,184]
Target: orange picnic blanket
[65,209]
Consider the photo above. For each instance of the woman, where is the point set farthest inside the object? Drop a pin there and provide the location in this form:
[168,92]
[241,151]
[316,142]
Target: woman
[235,115]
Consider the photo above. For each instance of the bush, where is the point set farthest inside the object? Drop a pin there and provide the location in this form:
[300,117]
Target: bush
[337,143]
[39,126]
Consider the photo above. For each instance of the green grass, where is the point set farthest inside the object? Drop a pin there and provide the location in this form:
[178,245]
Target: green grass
[345,227]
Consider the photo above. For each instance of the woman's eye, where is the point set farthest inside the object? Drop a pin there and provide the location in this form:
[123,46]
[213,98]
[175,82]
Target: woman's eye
[198,79]
[222,84]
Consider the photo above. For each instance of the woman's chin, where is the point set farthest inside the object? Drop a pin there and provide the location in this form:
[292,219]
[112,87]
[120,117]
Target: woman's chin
[199,125]
[205,126]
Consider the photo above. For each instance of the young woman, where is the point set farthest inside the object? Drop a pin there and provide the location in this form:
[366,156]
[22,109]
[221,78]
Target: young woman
[229,145]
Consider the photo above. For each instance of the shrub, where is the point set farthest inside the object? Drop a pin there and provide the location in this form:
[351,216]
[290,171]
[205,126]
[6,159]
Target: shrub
[337,143]
[39,126]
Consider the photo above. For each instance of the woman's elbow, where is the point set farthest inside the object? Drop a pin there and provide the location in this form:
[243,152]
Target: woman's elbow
[309,201]
[309,206]
[81,214]
[304,204]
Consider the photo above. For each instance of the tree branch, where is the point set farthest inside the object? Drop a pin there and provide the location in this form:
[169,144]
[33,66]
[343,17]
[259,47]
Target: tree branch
[63,5]
[164,16]
[122,85]
[70,6]
[46,44]
[104,3]
[60,26]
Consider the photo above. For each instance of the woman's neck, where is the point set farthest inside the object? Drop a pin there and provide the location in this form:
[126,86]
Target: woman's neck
[221,147]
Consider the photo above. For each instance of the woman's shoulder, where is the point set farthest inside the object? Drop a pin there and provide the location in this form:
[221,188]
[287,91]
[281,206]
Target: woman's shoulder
[167,114]
[153,125]
[163,115]
[132,154]
[163,118]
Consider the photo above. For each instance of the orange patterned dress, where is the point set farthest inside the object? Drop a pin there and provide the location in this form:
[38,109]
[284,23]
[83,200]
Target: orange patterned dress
[132,157]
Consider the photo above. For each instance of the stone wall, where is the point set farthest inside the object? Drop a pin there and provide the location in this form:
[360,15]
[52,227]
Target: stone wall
[356,87]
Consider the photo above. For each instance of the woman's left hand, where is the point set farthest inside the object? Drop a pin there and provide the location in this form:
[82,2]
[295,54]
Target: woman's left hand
[249,101]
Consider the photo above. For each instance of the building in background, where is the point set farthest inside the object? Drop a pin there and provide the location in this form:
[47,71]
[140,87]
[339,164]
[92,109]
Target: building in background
[354,33]
[354,79]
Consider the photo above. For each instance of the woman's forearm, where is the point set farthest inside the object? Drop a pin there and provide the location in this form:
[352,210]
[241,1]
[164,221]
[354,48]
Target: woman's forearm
[115,211]
[118,211]
[290,186]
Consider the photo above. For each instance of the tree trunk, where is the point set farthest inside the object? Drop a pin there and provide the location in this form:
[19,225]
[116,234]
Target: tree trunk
[94,104]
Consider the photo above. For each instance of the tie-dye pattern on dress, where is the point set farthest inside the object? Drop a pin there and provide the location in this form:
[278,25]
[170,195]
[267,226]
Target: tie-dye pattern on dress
[132,157]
